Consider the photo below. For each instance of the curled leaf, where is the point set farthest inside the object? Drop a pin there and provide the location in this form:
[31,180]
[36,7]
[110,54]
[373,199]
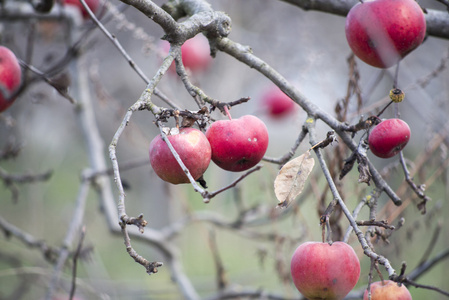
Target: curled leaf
[291,179]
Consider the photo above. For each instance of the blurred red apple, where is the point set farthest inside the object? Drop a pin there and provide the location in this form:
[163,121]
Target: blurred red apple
[92,4]
[10,77]
[323,271]
[195,54]
[277,103]
[389,137]
[382,32]
[387,290]
[238,144]
[192,147]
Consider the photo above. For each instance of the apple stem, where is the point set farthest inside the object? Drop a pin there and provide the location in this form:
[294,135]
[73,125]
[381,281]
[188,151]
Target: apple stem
[227,112]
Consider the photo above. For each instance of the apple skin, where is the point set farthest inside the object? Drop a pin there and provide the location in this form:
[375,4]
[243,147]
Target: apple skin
[382,32]
[389,137]
[387,290]
[192,147]
[238,144]
[195,54]
[92,4]
[277,103]
[10,77]
[323,271]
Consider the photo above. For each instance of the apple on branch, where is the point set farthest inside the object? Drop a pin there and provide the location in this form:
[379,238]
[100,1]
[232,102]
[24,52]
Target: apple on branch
[389,137]
[238,144]
[10,77]
[387,290]
[324,271]
[193,149]
[195,54]
[382,32]
[277,103]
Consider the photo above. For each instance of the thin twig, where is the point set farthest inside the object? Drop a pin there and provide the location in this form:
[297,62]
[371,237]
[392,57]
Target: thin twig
[74,227]
[419,191]
[432,243]
[50,253]
[125,54]
[286,157]
[382,223]
[222,282]
[75,262]
[233,184]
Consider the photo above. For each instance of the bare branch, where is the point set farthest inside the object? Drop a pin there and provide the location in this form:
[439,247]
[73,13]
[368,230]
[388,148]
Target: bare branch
[381,223]
[50,253]
[419,191]
[73,229]
[233,184]
[75,262]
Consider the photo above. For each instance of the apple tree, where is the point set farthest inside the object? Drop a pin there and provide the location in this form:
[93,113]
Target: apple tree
[272,149]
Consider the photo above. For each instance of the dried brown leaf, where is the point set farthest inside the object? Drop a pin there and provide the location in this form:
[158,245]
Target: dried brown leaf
[291,179]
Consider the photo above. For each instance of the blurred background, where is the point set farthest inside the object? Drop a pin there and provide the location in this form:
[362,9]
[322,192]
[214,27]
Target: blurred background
[307,48]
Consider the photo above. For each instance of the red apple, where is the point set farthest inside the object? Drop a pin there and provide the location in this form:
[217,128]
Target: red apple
[387,290]
[382,32]
[92,4]
[238,144]
[193,149]
[388,138]
[195,54]
[277,103]
[10,77]
[323,271]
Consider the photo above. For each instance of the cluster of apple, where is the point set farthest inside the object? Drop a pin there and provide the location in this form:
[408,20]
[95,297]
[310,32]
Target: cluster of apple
[233,145]
[380,33]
